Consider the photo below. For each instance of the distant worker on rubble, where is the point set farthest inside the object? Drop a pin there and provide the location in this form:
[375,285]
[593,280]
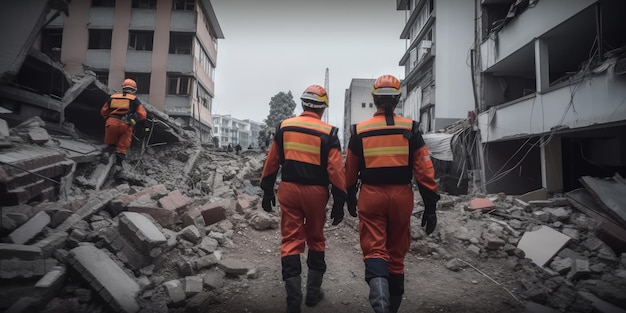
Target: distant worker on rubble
[309,153]
[385,152]
[237,149]
[121,113]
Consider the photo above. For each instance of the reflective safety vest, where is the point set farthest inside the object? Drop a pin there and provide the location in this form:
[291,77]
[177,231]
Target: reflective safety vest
[386,151]
[120,104]
[304,145]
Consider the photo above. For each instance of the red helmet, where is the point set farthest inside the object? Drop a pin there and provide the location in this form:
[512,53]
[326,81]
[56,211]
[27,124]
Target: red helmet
[129,85]
[386,85]
[315,96]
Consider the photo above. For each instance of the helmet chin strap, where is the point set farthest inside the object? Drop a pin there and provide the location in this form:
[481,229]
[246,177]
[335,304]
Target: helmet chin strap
[389,115]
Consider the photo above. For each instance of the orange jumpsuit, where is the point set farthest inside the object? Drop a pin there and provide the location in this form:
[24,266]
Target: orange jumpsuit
[308,153]
[118,130]
[385,157]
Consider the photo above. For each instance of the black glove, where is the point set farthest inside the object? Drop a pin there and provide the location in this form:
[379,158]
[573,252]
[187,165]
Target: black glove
[430,221]
[337,213]
[269,201]
[352,200]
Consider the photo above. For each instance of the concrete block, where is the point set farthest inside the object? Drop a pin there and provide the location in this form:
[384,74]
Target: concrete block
[193,285]
[235,267]
[175,201]
[213,215]
[175,291]
[54,241]
[191,233]
[164,217]
[38,135]
[30,229]
[110,281]
[580,269]
[141,231]
[120,203]
[22,252]
[50,284]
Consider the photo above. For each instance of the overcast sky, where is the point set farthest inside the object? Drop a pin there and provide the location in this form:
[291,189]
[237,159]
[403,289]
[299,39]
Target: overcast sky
[280,45]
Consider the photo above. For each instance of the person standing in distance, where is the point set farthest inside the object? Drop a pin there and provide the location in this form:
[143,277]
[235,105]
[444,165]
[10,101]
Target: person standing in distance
[384,152]
[121,113]
[308,152]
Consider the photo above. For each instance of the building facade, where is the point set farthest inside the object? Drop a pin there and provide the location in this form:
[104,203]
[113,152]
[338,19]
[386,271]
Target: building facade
[437,88]
[232,131]
[551,82]
[169,47]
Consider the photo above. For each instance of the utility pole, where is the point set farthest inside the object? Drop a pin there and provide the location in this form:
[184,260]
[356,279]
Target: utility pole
[327,111]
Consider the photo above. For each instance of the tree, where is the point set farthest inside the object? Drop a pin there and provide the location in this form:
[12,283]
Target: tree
[282,106]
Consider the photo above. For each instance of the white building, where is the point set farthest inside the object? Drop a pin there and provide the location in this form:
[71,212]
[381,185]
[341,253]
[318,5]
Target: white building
[437,88]
[551,78]
[230,130]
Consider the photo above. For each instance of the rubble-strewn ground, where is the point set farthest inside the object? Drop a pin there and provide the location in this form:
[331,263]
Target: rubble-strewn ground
[183,223]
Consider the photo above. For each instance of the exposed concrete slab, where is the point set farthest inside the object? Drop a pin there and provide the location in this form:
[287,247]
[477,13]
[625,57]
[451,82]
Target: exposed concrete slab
[104,275]
[30,229]
[539,194]
[609,194]
[542,244]
[600,305]
[100,174]
[604,227]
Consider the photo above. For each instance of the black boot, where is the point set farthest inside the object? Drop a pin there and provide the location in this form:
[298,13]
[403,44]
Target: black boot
[293,283]
[293,287]
[317,267]
[379,294]
[106,154]
[396,290]
[314,292]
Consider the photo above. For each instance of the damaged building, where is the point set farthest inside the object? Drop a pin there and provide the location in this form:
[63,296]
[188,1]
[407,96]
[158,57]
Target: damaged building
[76,237]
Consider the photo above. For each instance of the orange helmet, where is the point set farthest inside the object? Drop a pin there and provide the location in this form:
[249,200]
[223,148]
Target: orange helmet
[315,96]
[129,85]
[386,85]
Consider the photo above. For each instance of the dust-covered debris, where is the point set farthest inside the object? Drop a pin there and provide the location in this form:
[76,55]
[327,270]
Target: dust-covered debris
[165,224]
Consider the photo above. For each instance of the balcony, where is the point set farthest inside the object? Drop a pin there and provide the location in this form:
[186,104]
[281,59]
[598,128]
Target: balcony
[534,22]
[560,107]
[180,63]
[98,58]
[183,21]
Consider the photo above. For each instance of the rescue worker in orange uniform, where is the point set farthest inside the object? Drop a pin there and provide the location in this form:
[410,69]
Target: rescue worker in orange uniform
[121,113]
[308,153]
[383,153]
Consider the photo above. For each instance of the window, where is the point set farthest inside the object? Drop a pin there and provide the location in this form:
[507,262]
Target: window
[102,77]
[186,5]
[103,3]
[140,40]
[100,38]
[180,43]
[144,4]
[178,85]
[51,40]
[371,105]
[142,80]
[363,104]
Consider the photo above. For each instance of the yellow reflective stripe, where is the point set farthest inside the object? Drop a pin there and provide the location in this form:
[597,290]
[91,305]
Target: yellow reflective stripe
[324,128]
[386,151]
[398,124]
[302,147]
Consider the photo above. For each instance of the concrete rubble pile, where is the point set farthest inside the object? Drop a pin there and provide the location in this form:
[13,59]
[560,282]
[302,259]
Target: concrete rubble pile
[155,236]
[147,239]
[559,264]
